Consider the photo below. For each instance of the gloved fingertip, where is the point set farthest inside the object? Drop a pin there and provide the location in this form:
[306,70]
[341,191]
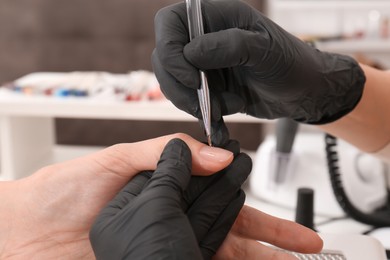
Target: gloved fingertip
[176,147]
[233,146]
[243,165]
[174,166]
[219,133]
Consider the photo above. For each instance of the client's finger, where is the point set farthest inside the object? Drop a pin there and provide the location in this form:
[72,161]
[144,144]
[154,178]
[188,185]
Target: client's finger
[254,224]
[236,247]
[126,160]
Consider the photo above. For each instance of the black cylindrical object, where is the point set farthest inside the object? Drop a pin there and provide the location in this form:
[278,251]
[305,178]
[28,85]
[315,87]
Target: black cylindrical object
[304,214]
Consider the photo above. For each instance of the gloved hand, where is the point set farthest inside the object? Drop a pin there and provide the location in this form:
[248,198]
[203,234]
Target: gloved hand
[170,215]
[253,66]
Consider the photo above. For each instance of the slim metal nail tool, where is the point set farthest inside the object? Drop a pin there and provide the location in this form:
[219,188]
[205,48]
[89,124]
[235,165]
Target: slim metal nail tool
[195,26]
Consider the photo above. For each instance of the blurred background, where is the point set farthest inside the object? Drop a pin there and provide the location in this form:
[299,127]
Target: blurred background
[92,35]
[117,36]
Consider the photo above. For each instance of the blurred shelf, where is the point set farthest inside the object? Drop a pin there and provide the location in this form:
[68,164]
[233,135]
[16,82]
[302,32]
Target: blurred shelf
[349,46]
[325,4]
[14,104]
[334,18]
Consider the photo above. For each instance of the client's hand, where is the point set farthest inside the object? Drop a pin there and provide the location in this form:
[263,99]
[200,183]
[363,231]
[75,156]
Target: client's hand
[49,214]
[167,214]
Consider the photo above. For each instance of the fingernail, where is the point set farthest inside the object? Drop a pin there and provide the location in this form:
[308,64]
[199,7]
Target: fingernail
[215,154]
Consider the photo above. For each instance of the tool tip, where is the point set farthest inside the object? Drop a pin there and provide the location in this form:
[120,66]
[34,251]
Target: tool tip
[209,140]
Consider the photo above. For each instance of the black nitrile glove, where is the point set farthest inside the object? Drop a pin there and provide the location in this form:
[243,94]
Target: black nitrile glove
[212,203]
[253,66]
[170,215]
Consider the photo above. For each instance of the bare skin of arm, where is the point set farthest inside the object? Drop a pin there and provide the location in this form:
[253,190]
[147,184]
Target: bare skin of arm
[368,126]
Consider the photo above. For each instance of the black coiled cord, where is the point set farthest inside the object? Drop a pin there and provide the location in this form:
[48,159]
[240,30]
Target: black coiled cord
[378,218]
